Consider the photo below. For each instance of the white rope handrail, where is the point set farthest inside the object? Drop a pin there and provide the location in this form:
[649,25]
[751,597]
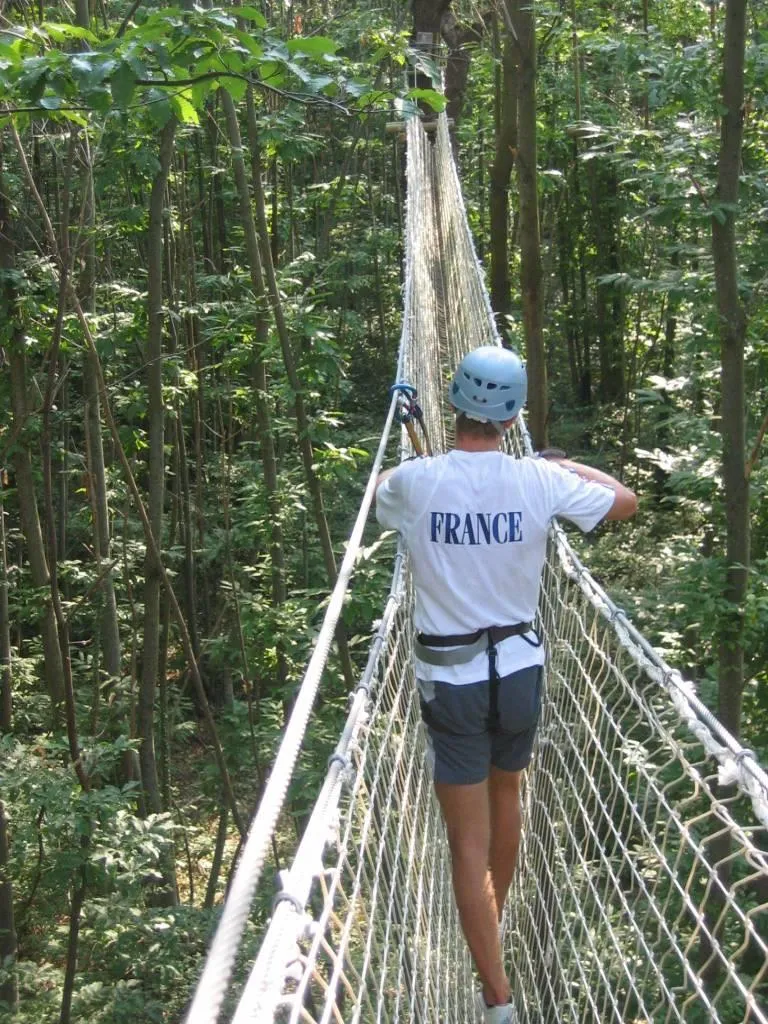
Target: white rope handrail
[738,765]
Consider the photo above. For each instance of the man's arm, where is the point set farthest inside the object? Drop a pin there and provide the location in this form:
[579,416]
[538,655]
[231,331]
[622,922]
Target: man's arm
[624,501]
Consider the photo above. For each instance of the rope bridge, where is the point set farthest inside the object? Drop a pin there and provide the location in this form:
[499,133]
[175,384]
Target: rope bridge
[642,889]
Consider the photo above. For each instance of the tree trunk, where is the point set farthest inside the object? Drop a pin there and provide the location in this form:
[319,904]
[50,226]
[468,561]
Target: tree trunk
[609,299]
[732,320]
[156,430]
[9,992]
[733,325]
[522,18]
[500,174]
[22,461]
[6,664]
[427,16]
[427,20]
[97,477]
[460,40]
[73,942]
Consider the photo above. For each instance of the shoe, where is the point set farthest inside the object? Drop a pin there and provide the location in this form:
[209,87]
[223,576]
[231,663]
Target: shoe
[495,1014]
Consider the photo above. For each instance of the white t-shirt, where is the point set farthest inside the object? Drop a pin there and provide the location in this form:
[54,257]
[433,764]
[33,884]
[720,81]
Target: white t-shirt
[476,524]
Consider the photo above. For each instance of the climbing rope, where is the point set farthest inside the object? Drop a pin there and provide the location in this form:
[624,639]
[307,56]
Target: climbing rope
[642,890]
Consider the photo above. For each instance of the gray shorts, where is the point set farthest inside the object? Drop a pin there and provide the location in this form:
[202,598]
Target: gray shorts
[462,741]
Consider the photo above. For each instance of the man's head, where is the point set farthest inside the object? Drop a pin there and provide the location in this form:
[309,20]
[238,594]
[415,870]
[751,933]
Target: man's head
[489,388]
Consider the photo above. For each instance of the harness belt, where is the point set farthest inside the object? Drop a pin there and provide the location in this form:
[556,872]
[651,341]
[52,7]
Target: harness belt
[465,646]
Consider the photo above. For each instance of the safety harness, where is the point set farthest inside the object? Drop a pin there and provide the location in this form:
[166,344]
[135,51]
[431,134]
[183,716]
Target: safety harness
[463,647]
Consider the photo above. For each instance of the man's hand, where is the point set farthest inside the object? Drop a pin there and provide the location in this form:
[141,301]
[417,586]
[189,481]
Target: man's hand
[624,501]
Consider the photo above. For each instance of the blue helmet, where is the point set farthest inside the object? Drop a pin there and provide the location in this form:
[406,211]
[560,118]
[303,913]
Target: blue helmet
[490,385]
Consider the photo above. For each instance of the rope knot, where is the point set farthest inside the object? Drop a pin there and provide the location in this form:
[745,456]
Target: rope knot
[284,896]
[743,754]
[343,760]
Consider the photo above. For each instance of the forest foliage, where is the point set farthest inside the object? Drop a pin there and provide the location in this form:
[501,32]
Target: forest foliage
[200,254]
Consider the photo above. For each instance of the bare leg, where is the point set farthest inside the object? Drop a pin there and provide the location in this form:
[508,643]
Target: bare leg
[504,796]
[467,814]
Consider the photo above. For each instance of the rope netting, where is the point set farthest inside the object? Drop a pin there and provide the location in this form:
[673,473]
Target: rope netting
[642,889]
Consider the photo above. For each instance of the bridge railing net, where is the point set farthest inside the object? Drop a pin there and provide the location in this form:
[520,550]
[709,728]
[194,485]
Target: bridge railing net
[642,889]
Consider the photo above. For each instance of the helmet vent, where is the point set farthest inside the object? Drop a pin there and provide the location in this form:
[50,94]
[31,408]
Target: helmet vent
[478,382]
[511,405]
[503,387]
[490,385]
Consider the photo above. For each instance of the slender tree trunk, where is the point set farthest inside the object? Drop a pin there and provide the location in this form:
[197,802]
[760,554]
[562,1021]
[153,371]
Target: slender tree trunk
[522,17]
[733,325]
[6,663]
[382,339]
[150,780]
[218,859]
[565,259]
[9,991]
[22,460]
[97,476]
[156,430]
[73,940]
[732,321]
[609,300]
[197,364]
[500,174]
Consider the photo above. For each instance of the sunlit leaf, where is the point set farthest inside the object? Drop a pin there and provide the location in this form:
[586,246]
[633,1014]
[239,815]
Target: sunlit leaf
[316,46]
[433,99]
[184,109]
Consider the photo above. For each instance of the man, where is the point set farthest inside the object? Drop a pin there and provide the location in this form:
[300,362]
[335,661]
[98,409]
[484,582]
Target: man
[475,522]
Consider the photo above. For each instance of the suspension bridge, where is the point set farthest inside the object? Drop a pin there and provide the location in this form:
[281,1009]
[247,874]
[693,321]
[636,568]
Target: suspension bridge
[641,895]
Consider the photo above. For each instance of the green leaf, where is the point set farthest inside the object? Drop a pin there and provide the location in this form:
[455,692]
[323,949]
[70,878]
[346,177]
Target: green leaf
[316,46]
[235,87]
[100,99]
[159,107]
[271,73]
[51,102]
[201,90]
[33,84]
[406,108]
[434,99]
[123,84]
[251,45]
[184,109]
[61,33]
[252,14]
[9,53]
[82,64]
[72,115]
